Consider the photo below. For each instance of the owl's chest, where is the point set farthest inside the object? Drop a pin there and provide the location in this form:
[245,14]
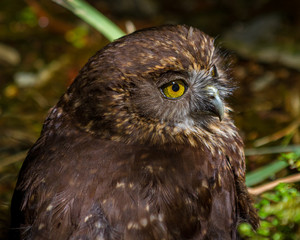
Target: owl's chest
[158,190]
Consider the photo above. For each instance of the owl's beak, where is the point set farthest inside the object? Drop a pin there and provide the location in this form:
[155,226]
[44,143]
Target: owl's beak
[216,101]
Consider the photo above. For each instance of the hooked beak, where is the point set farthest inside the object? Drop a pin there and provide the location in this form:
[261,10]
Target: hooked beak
[216,101]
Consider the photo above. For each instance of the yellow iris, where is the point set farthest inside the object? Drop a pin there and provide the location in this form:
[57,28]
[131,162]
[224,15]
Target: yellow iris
[174,89]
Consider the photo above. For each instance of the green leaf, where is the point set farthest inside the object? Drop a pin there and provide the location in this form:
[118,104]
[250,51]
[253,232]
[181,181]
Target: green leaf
[93,17]
[263,173]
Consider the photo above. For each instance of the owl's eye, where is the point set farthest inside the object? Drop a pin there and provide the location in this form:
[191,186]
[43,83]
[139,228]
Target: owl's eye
[174,89]
[213,71]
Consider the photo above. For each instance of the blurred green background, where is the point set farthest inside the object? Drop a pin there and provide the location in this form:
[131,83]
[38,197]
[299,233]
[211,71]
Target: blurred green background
[44,44]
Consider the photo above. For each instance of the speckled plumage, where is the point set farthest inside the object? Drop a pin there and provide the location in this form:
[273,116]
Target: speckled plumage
[117,160]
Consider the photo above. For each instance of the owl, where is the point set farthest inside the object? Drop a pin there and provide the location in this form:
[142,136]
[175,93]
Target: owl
[141,146]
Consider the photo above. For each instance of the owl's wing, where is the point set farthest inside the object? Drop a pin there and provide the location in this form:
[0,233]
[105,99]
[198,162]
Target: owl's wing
[55,194]
[246,210]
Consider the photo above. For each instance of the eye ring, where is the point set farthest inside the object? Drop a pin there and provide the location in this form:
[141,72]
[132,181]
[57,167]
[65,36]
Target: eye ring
[174,89]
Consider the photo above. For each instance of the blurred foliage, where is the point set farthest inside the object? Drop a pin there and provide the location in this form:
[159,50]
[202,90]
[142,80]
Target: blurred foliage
[49,45]
[27,16]
[77,36]
[279,211]
[95,18]
[265,172]
[293,159]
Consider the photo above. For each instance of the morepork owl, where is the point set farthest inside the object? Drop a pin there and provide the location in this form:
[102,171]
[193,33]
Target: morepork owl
[140,147]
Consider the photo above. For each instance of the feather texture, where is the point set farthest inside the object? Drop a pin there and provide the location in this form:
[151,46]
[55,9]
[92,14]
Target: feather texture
[116,160]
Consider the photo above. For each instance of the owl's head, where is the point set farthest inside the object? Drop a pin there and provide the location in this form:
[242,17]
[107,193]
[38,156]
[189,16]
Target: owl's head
[151,86]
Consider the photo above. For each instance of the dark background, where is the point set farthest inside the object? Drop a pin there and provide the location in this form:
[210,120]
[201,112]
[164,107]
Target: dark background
[43,46]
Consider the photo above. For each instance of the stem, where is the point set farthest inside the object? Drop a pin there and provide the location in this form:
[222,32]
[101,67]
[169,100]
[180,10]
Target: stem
[268,186]
[93,17]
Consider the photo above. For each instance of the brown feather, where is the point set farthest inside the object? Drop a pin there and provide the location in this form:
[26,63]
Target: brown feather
[116,160]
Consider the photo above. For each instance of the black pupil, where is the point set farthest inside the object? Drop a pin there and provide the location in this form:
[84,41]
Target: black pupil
[175,87]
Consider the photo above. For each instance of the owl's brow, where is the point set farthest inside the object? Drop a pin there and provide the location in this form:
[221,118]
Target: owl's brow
[170,75]
[190,33]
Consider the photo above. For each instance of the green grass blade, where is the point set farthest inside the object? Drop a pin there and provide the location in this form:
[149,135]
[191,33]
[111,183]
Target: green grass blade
[93,17]
[263,173]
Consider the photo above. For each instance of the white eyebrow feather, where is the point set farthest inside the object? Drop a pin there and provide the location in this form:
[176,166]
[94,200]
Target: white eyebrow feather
[190,33]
